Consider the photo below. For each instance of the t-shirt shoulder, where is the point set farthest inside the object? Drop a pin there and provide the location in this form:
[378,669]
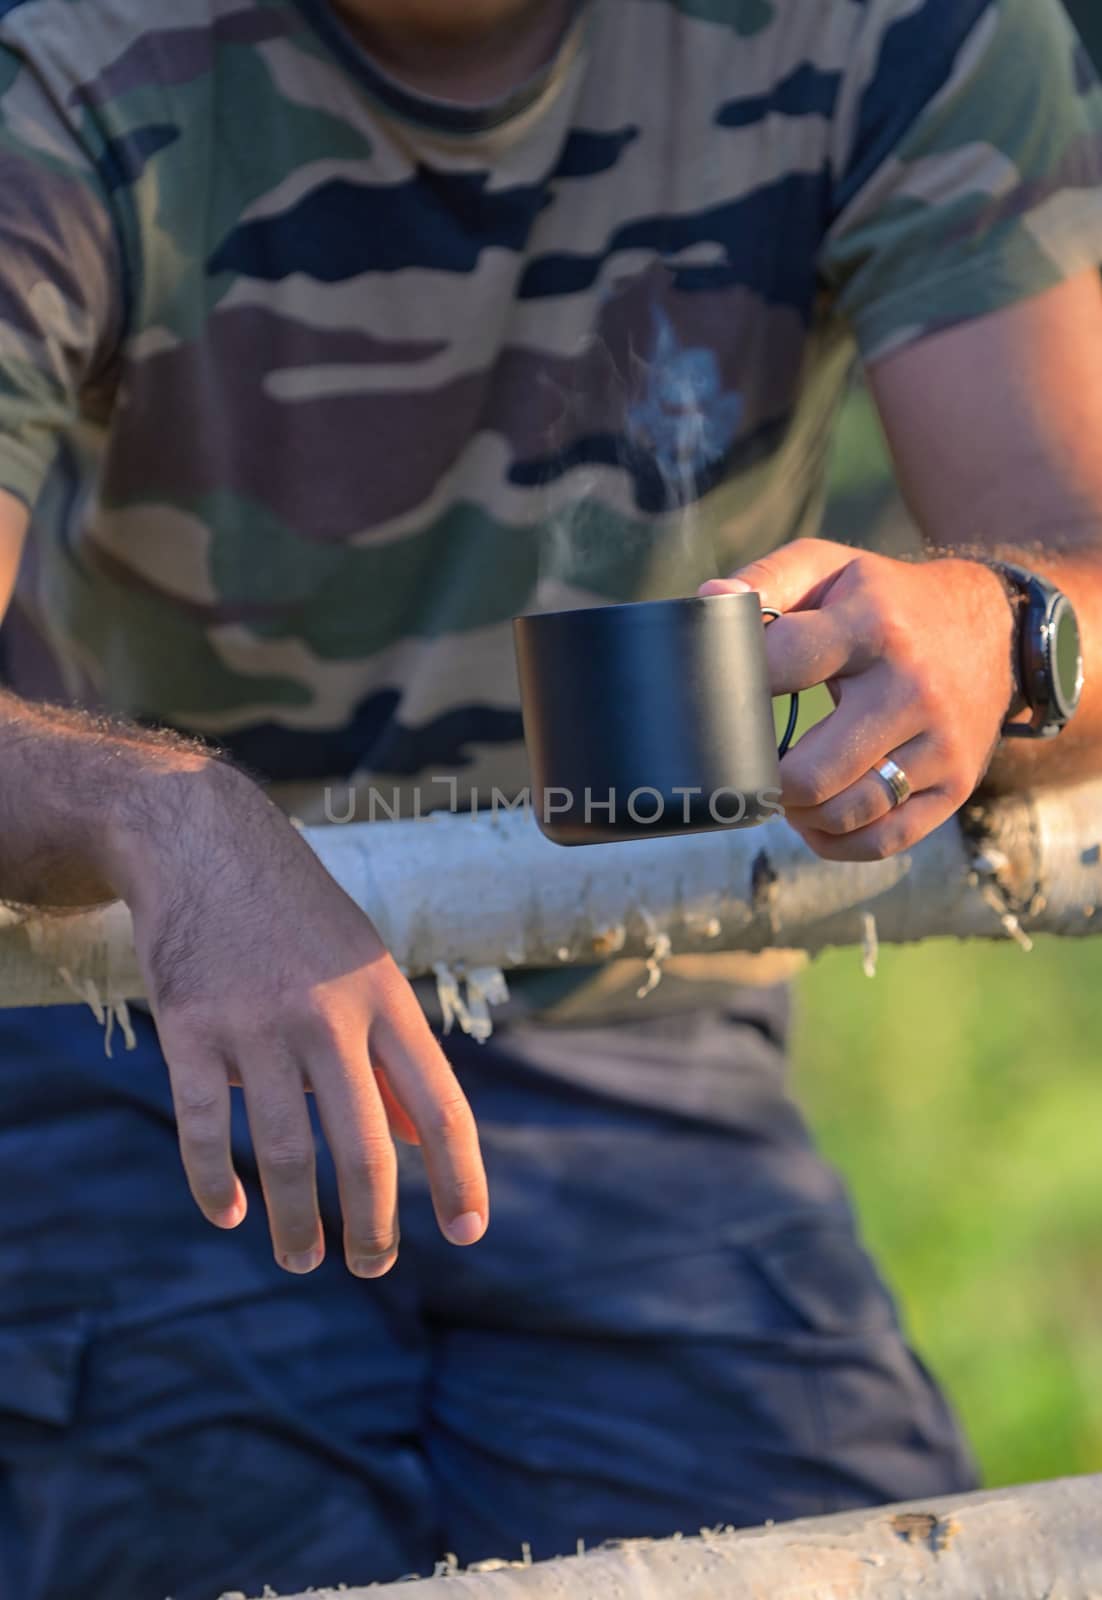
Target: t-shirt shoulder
[968,166]
[79,39]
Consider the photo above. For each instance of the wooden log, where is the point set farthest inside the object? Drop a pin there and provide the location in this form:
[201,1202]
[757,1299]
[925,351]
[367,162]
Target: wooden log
[1038,1543]
[484,894]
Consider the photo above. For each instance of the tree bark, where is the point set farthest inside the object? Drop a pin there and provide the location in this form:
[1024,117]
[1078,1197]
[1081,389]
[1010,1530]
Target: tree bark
[468,897]
[1039,1543]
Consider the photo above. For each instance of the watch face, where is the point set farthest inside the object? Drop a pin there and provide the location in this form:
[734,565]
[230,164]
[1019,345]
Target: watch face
[1067,657]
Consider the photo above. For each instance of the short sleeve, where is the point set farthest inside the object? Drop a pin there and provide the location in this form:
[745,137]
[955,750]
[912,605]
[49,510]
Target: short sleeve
[967,166]
[60,278]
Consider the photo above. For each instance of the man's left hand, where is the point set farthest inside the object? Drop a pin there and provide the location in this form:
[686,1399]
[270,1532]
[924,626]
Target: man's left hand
[917,657]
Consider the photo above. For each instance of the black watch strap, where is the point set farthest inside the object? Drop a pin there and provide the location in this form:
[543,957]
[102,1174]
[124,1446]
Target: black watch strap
[1037,605]
[1015,584]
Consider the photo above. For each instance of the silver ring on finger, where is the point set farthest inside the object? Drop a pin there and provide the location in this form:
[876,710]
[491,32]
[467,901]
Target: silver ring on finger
[897,781]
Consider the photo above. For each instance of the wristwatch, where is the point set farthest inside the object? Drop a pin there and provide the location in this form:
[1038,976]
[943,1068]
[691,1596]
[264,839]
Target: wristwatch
[1048,655]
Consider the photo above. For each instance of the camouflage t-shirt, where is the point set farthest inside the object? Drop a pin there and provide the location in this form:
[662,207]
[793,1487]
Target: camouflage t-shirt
[314,382]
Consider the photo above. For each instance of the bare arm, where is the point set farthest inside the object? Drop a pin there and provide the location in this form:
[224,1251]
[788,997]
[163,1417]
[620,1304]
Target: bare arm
[69,782]
[13,534]
[259,968]
[996,433]
[996,428]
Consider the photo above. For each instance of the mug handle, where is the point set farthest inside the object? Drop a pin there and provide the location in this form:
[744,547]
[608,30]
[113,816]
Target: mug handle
[770,614]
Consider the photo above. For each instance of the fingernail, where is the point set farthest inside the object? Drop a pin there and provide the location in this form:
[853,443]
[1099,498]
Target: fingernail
[724,586]
[373,1266]
[303,1261]
[467,1229]
[232,1217]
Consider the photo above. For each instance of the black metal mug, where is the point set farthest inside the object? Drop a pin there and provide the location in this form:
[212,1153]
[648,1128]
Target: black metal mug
[647,720]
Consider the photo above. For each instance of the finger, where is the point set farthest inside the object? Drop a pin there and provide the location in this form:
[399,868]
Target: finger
[283,1142]
[837,752]
[423,1080]
[806,648]
[201,1100]
[356,1130]
[400,1124]
[794,578]
[900,830]
[871,797]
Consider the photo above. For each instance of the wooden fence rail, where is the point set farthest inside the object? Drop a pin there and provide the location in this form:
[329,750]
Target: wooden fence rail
[471,898]
[1038,1543]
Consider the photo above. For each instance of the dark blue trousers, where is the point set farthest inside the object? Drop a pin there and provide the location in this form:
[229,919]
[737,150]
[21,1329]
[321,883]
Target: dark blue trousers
[670,1324]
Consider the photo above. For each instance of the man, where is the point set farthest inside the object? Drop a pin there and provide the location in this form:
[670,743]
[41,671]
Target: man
[334,335]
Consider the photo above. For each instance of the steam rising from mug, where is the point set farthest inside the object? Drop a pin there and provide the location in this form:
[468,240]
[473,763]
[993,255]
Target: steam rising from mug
[662,424]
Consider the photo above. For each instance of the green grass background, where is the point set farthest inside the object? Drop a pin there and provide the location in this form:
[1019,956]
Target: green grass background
[960,1092]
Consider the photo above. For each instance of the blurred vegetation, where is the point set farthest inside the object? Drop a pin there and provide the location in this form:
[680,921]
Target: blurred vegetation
[960,1092]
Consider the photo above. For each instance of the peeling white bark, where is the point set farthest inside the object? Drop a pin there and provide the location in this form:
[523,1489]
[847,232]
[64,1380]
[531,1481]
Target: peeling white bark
[473,897]
[1040,1543]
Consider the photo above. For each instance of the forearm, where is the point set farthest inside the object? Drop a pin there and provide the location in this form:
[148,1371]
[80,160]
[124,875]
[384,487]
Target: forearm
[76,796]
[259,969]
[995,429]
